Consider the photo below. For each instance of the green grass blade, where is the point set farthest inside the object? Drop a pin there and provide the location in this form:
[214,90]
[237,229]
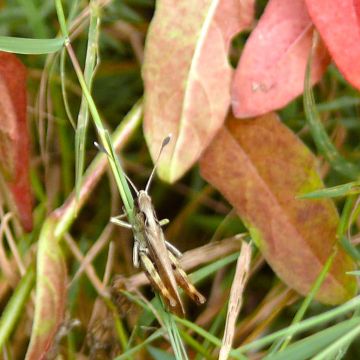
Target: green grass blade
[193,343]
[15,306]
[339,103]
[63,88]
[335,191]
[30,46]
[83,116]
[131,352]
[61,17]
[346,219]
[129,124]
[119,176]
[307,324]
[321,138]
[208,270]
[170,325]
[203,333]
[350,248]
[311,345]
[120,179]
[159,354]
[215,328]
[174,335]
[209,337]
[337,346]
[283,343]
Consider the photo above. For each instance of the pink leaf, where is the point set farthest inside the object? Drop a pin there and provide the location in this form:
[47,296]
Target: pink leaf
[14,136]
[338,24]
[271,69]
[187,76]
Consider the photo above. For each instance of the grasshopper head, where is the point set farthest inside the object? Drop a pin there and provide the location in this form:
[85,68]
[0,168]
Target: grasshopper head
[143,200]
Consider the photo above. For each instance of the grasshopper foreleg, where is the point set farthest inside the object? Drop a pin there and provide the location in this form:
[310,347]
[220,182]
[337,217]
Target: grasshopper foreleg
[164,222]
[117,221]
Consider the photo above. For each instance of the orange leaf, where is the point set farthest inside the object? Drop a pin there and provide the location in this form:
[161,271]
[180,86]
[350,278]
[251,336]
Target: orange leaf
[187,76]
[14,136]
[260,167]
[271,69]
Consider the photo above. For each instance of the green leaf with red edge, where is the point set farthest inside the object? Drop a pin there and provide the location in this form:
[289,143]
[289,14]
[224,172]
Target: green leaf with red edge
[338,22]
[261,167]
[14,136]
[187,76]
[271,69]
[51,282]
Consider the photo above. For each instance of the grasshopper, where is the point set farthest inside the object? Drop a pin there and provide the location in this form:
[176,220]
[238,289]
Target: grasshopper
[157,257]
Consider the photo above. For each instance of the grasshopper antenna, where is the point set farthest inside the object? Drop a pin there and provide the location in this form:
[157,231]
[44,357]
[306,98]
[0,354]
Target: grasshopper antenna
[102,149]
[164,143]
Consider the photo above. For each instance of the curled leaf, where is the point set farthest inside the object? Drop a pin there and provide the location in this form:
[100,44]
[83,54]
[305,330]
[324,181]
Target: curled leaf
[50,293]
[271,69]
[14,136]
[187,76]
[260,166]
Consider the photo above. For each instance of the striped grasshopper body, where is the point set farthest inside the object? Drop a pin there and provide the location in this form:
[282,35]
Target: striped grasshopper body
[157,257]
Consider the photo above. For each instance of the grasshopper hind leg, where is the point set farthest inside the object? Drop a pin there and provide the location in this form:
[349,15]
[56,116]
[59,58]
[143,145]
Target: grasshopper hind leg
[184,282]
[158,284]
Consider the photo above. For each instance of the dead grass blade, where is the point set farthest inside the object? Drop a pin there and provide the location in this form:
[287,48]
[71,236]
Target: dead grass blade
[235,301]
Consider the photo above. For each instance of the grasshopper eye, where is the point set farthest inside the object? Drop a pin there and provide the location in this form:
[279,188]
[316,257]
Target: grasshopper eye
[144,218]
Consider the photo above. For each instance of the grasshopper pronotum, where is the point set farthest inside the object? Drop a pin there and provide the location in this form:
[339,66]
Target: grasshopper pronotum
[156,256]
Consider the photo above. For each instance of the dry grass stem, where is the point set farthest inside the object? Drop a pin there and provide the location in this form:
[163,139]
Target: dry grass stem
[109,263]
[94,250]
[89,269]
[236,298]
[277,298]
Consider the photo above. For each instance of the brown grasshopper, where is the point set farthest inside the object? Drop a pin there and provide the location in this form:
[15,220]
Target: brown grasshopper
[157,257]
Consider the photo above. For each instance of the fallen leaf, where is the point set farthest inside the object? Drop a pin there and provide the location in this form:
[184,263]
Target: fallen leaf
[260,167]
[271,69]
[14,136]
[187,76]
[338,24]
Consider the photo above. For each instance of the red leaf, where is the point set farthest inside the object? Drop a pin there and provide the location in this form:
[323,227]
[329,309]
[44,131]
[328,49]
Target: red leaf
[187,76]
[51,282]
[260,167]
[14,137]
[338,24]
[271,69]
